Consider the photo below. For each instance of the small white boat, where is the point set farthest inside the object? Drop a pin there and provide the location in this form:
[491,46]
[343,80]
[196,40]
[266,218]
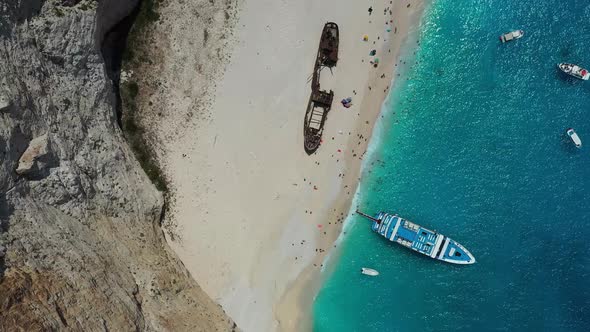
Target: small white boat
[369,272]
[513,35]
[574,70]
[575,138]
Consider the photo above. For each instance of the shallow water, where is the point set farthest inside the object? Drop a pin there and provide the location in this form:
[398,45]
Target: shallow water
[473,144]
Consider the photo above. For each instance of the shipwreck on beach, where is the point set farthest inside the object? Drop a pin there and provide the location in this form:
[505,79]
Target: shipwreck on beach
[320,101]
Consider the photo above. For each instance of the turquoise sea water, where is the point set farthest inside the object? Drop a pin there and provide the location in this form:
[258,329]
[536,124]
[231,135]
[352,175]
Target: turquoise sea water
[473,144]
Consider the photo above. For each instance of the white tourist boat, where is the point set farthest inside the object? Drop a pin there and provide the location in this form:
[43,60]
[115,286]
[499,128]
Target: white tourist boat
[369,272]
[513,35]
[575,138]
[574,70]
[419,239]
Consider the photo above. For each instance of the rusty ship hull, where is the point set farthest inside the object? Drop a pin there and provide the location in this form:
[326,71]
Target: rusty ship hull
[320,101]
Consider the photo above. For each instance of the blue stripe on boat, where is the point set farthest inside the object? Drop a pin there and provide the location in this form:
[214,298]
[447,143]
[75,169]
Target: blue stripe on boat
[421,239]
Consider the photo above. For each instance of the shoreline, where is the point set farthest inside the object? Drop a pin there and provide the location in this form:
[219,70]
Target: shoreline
[239,72]
[301,293]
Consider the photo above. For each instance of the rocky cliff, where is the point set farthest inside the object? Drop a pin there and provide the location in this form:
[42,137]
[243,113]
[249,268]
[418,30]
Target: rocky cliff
[80,242]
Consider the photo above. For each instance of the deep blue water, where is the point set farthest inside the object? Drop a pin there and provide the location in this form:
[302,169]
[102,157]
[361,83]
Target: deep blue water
[473,144]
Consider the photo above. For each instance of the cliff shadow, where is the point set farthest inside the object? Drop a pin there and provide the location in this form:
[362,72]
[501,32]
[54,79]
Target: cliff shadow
[111,39]
[6,211]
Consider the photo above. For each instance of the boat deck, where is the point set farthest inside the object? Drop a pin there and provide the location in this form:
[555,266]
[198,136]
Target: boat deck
[328,50]
[408,234]
[421,239]
[317,118]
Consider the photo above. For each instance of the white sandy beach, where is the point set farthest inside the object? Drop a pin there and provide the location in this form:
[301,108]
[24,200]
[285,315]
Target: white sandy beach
[252,209]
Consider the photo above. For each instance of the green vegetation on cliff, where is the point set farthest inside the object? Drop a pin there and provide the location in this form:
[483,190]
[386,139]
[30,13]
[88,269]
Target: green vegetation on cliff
[133,57]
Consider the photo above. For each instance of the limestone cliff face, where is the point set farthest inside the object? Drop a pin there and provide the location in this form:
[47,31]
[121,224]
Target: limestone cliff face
[80,243]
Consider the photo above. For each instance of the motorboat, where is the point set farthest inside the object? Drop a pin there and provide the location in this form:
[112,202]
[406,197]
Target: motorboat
[513,35]
[369,272]
[574,70]
[574,137]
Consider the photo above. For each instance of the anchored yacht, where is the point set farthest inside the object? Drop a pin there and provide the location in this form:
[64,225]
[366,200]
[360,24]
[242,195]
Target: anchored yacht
[574,70]
[419,239]
[574,136]
[513,35]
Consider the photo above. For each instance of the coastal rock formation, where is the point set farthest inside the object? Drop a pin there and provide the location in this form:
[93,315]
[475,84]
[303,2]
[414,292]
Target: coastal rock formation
[81,247]
[4,103]
[36,157]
